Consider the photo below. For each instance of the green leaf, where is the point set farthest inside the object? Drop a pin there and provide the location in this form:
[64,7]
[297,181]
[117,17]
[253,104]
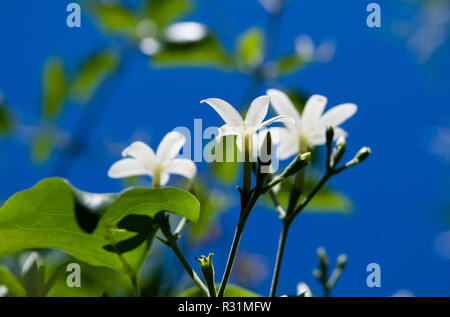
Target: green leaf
[6,124]
[150,201]
[42,147]
[54,88]
[163,12]
[211,206]
[231,291]
[45,216]
[325,201]
[96,282]
[206,51]
[11,282]
[289,64]
[92,73]
[249,48]
[115,19]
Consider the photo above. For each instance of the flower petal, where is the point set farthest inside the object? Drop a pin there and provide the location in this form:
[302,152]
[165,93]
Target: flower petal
[128,167]
[170,145]
[313,110]
[336,115]
[319,136]
[284,119]
[257,111]
[164,179]
[140,151]
[230,115]
[288,144]
[284,106]
[226,130]
[180,166]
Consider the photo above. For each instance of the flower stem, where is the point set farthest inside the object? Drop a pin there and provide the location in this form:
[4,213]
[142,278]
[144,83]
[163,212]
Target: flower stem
[237,238]
[280,251]
[171,243]
[291,213]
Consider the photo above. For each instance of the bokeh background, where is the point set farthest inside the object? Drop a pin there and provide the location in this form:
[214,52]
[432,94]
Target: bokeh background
[73,98]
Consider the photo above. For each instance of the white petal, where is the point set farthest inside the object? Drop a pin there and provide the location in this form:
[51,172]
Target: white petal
[226,130]
[170,145]
[257,111]
[140,151]
[303,288]
[283,106]
[164,179]
[182,167]
[287,142]
[230,115]
[313,110]
[338,132]
[128,167]
[317,139]
[319,135]
[336,115]
[288,147]
[284,119]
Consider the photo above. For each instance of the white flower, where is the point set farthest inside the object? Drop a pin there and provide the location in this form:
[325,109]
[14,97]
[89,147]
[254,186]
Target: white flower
[244,129]
[308,130]
[303,288]
[140,159]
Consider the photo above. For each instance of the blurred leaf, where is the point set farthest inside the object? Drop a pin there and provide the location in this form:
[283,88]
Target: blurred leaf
[249,48]
[326,200]
[163,12]
[231,291]
[211,206]
[41,148]
[45,217]
[6,124]
[204,52]
[15,288]
[92,73]
[54,88]
[96,282]
[289,64]
[115,19]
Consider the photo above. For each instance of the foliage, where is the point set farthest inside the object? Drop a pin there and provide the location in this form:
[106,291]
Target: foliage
[93,228]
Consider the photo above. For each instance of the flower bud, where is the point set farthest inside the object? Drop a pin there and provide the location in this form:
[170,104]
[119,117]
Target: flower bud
[266,149]
[207,269]
[342,261]
[329,136]
[322,255]
[362,155]
[339,151]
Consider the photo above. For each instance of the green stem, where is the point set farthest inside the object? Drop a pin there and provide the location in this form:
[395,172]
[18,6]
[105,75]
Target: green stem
[237,238]
[189,270]
[281,245]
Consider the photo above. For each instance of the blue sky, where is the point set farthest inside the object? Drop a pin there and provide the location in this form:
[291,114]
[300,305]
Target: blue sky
[397,193]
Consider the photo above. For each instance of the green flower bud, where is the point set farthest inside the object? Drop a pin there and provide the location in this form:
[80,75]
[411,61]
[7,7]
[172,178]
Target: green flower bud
[329,136]
[338,151]
[363,154]
[207,269]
